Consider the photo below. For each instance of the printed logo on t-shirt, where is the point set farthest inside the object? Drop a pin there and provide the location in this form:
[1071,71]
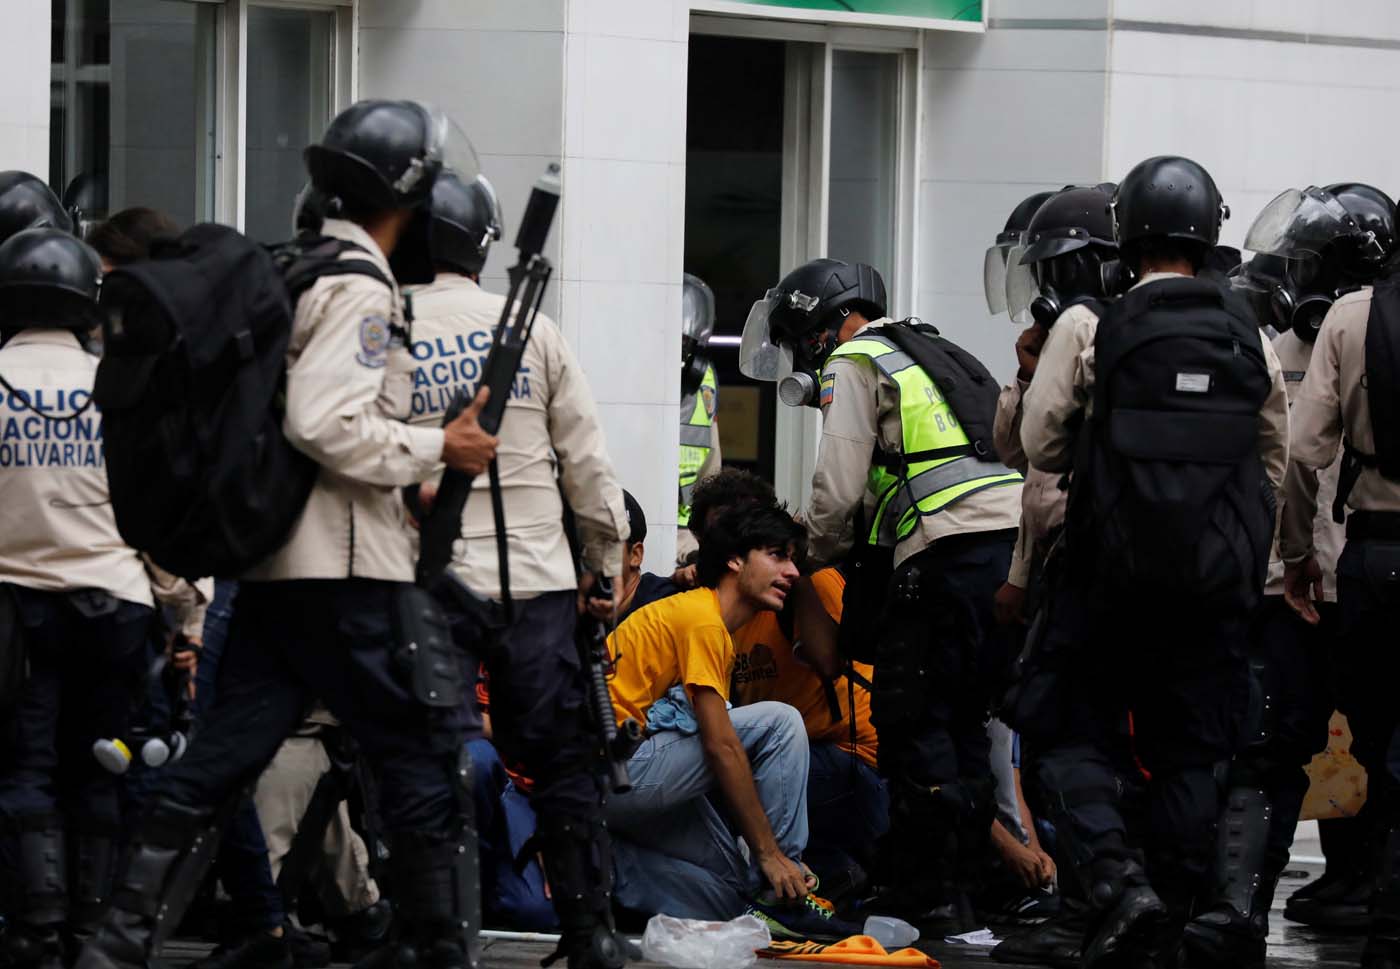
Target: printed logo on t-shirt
[754,665]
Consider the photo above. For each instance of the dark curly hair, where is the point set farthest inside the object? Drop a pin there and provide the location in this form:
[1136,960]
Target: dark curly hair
[738,531]
[730,488]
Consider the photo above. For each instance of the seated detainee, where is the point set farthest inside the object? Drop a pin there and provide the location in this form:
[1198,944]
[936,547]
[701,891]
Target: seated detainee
[638,588]
[702,763]
[847,802]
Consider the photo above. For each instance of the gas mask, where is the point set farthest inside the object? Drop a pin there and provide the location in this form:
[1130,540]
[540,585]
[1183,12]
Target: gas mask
[697,325]
[1305,296]
[693,369]
[1070,276]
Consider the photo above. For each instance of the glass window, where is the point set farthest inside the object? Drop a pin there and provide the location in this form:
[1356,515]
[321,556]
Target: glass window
[289,105]
[132,106]
[864,159]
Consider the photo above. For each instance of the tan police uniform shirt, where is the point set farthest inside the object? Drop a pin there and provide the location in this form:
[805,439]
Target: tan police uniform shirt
[349,385]
[1042,499]
[1330,402]
[686,542]
[59,530]
[550,423]
[1328,537]
[862,413]
[1063,390]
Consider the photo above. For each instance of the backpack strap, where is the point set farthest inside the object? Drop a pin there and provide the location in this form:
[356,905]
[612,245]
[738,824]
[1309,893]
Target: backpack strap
[306,260]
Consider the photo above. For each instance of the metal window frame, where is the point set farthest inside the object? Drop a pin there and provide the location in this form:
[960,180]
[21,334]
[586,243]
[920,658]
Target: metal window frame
[231,185]
[807,180]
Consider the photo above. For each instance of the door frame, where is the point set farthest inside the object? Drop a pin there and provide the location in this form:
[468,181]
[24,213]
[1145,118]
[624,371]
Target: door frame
[807,178]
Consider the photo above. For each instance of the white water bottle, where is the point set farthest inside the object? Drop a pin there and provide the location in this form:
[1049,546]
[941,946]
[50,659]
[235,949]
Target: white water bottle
[890,932]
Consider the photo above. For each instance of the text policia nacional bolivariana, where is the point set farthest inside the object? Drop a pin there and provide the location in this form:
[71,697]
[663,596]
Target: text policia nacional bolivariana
[35,434]
[456,360]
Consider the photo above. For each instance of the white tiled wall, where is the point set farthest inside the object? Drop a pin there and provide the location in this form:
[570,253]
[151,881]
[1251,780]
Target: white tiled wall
[24,95]
[1261,115]
[624,224]
[601,85]
[1369,18]
[1007,114]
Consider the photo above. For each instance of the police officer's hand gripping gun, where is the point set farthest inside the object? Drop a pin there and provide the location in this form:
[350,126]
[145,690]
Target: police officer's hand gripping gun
[442,525]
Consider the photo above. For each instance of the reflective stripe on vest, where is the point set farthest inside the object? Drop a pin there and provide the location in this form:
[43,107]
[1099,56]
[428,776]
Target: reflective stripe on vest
[695,443]
[928,424]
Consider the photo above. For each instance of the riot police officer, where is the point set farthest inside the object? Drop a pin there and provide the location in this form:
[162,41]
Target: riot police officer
[1068,252]
[1289,657]
[1349,399]
[552,452]
[74,599]
[332,613]
[933,522]
[700,453]
[1131,658]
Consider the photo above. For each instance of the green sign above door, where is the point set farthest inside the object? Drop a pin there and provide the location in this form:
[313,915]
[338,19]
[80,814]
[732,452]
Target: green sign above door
[958,10]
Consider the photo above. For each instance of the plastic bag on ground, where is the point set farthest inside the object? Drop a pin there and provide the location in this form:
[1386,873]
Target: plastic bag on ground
[692,944]
[890,932]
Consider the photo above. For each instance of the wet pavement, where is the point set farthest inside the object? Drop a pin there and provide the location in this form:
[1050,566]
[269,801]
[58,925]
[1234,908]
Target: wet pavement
[1290,946]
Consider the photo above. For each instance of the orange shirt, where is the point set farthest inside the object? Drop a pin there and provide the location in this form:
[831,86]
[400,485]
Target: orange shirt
[765,668]
[680,639]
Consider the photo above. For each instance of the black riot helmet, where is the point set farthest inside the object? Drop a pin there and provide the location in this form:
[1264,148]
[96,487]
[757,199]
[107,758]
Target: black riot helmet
[48,277]
[697,326]
[466,219]
[27,202]
[1362,256]
[1070,249]
[1168,198]
[795,324]
[1000,265]
[378,155]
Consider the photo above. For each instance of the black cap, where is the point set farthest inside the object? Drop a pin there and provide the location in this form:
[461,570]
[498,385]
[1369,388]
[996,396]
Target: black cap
[636,519]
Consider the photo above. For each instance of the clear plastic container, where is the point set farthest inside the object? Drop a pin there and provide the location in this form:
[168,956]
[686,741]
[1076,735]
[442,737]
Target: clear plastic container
[890,932]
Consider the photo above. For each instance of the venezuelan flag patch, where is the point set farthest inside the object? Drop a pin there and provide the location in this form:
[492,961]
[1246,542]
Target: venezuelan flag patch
[828,388]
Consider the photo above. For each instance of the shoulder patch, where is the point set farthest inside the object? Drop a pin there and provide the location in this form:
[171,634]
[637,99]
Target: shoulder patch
[707,395]
[375,335]
[828,389]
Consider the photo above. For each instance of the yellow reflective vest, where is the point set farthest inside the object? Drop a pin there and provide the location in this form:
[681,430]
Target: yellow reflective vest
[936,467]
[695,441]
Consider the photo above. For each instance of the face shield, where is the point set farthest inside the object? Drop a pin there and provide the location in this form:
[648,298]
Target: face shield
[1299,223]
[697,312]
[760,355]
[1021,287]
[994,270]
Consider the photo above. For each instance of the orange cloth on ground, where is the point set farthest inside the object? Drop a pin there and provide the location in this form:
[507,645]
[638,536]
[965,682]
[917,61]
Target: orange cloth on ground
[765,668]
[858,950]
[678,640]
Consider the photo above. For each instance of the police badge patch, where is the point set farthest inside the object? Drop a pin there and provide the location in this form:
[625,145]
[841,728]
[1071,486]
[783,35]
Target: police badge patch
[707,395]
[374,341]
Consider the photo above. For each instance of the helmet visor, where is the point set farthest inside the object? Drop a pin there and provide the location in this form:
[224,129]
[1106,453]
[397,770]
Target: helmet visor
[697,311]
[760,356]
[1021,288]
[1299,223]
[494,228]
[994,276]
[447,146]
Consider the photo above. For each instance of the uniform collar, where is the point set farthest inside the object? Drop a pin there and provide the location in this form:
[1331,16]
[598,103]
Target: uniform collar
[1153,277]
[882,321]
[45,336]
[444,282]
[348,231]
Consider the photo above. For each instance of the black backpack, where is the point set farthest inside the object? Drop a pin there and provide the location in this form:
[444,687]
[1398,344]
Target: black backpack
[1169,500]
[191,387]
[969,388]
[1382,395]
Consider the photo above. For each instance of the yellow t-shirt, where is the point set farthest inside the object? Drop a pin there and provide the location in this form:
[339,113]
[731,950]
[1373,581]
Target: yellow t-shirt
[765,668]
[680,639]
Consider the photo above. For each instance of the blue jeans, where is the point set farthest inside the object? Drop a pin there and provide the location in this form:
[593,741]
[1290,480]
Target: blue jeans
[674,851]
[848,807]
[504,822]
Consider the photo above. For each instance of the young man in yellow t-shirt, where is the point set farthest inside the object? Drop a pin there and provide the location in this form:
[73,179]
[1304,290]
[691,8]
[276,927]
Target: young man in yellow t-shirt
[702,763]
[793,659]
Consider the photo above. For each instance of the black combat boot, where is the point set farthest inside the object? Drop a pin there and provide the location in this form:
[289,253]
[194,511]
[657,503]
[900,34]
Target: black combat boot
[578,863]
[436,889]
[1058,941]
[1232,932]
[168,858]
[93,861]
[34,939]
[1131,916]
